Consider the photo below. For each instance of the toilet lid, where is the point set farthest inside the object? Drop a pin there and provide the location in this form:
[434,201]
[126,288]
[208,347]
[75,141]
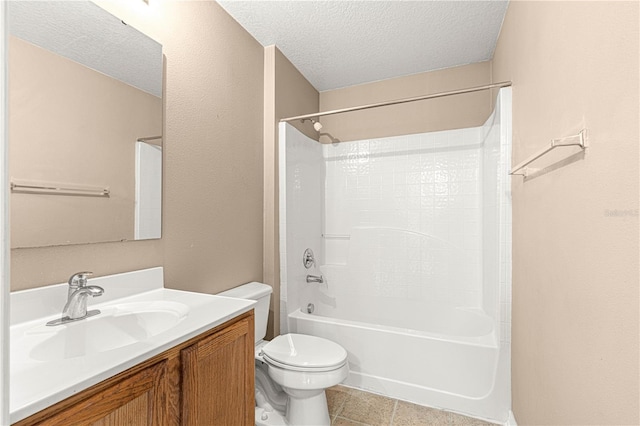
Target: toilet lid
[303,352]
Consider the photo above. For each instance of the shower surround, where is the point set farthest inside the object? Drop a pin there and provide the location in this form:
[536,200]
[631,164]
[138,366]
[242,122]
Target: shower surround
[413,237]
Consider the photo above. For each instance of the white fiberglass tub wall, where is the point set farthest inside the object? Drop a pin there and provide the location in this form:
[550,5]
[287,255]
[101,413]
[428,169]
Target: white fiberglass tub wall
[416,258]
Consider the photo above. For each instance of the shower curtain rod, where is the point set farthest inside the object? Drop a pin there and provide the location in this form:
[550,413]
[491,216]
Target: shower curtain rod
[150,138]
[399,101]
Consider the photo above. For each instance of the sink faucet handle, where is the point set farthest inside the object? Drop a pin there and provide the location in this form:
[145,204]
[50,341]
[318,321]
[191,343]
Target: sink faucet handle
[79,279]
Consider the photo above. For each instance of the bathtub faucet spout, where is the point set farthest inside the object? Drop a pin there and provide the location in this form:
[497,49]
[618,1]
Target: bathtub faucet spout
[315,279]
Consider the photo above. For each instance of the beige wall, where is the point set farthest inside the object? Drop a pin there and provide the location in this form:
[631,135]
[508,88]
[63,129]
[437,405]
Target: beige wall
[213,212]
[575,266]
[451,112]
[72,125]
[287,94]
[212,224]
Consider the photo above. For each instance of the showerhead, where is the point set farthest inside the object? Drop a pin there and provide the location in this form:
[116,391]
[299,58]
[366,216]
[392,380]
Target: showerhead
[316,124]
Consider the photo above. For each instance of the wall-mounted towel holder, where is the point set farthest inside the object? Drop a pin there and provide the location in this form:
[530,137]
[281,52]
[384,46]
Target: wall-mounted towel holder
[58,189]
[576,140]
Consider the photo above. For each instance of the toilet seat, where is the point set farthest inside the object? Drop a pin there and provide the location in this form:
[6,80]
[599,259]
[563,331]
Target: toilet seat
[301,352]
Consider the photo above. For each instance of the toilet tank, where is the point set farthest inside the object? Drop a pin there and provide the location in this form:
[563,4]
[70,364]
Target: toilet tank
[259,292]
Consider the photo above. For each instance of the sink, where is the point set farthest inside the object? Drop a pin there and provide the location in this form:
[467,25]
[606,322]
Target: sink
[115,327]
[139,319]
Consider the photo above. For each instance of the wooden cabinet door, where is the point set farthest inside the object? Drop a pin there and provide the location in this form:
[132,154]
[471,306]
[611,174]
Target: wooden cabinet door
[139,399]
[218,378]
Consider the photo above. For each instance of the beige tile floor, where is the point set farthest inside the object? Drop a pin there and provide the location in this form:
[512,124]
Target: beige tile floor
[353,407]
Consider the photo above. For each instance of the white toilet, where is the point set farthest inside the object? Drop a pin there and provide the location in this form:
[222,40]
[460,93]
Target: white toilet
[292,370]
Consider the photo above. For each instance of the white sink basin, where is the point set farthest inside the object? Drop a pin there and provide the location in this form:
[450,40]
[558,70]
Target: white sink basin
[139,319]
[115,327]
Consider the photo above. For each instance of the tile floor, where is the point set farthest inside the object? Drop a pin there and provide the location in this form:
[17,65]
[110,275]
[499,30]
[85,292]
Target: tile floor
[353,407]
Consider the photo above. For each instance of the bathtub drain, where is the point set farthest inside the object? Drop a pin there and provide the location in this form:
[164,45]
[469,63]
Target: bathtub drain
[310,308]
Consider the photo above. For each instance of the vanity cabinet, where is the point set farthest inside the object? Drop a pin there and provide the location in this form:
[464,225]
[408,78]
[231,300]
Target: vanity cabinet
[132,400]
[217,373]
[207,380]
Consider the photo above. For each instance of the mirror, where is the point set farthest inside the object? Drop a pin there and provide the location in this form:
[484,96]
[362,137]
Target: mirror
[85,126]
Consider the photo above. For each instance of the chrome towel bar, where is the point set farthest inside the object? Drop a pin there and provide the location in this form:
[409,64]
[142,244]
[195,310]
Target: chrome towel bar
[57,189]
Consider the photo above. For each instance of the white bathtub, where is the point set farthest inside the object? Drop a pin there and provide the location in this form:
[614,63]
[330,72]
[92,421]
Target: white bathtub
[450,362]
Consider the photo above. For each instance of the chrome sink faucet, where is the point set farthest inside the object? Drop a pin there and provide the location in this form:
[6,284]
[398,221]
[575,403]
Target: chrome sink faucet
[76,307]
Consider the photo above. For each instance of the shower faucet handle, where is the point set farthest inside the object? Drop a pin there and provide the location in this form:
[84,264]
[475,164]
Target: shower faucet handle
[308,260]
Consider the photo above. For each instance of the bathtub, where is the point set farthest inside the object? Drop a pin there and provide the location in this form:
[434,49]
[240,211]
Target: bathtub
[450,361]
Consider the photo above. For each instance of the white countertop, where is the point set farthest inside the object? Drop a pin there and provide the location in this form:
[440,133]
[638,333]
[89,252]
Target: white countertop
[37,384]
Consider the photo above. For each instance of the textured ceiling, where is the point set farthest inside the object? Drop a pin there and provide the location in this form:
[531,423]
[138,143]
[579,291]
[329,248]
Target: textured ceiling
[85,33]
[342,43]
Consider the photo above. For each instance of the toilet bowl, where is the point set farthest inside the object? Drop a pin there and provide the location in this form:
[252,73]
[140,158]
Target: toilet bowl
[292,370]
[304,366]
